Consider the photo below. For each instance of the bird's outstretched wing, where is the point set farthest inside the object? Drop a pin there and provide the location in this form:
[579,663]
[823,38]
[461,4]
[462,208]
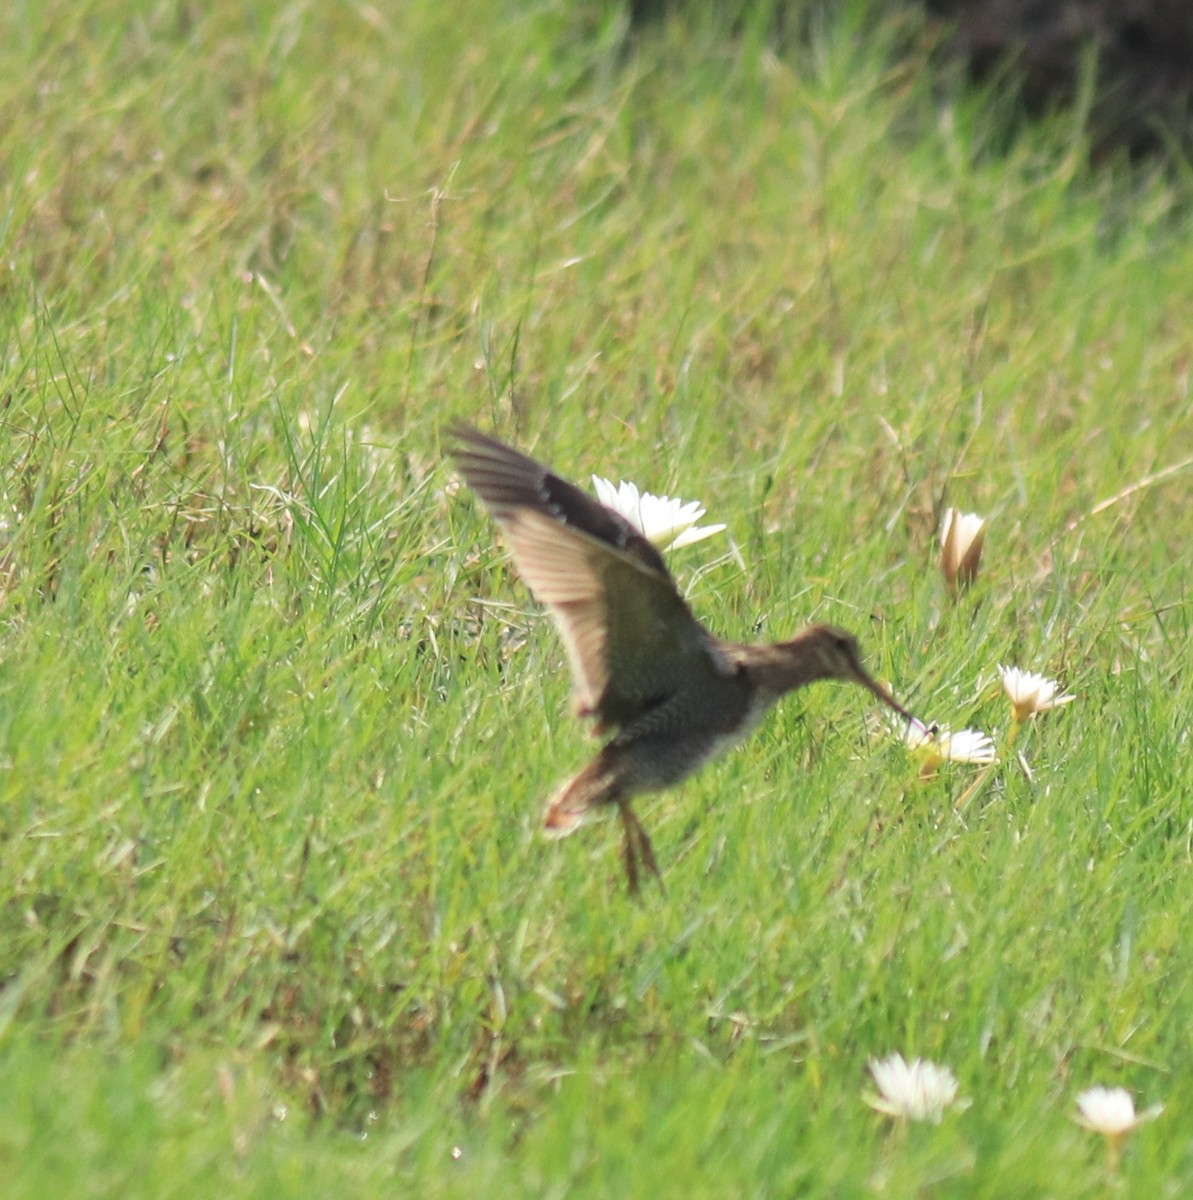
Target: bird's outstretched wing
[630,637]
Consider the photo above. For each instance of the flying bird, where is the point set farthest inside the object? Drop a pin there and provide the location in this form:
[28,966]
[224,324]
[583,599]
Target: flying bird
[644,669]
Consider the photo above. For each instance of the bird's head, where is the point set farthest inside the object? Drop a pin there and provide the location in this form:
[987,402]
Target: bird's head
[836,655]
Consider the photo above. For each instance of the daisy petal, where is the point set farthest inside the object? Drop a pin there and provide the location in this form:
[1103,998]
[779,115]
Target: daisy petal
[919,1090]
[664,521]
[1111,1111]
[962,536]
[1030,693]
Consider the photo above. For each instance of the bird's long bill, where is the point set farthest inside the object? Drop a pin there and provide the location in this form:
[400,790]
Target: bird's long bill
[878,690]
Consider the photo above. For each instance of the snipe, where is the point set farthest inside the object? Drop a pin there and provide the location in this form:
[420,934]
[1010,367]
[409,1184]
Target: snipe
[642,665]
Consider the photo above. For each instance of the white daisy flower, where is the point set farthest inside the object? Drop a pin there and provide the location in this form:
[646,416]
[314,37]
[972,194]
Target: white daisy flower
[961,539]
[1111,1111]
[1030,693]
[919,1090]
[935,744]
[664,521]
[966,746]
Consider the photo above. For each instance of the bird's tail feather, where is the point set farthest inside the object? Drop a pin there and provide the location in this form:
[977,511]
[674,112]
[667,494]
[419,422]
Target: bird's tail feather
[597,784]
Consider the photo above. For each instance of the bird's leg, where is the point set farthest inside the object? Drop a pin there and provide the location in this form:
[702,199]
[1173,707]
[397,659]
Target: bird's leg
[646,852]
[637,848]
[629,852]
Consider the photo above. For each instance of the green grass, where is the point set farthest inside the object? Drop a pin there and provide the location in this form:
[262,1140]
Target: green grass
[277,719]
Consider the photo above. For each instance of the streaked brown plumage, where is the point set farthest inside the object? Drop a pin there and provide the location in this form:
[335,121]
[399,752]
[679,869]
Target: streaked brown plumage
[642,665]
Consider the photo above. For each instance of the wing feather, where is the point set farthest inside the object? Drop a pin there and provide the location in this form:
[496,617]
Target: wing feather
[630,637]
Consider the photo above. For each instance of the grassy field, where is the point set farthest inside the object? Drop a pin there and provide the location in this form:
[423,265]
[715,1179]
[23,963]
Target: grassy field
[277,719]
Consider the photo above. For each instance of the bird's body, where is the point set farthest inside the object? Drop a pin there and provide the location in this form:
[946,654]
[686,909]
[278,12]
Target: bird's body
[642,665]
